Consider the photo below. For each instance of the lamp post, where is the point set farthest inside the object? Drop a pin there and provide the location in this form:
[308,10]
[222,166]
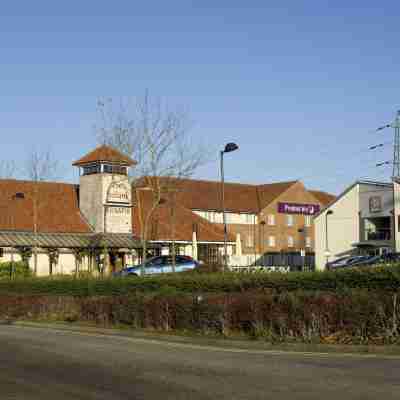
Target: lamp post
[262,223]
[329,212]
[229,147]
[302,248]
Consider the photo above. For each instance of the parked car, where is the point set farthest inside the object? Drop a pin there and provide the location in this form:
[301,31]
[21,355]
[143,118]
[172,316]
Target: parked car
[344,262]
[160,265]
[388,258]
[366,260]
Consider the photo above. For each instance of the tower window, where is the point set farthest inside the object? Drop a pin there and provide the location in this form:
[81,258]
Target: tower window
[91,169]
[114,169]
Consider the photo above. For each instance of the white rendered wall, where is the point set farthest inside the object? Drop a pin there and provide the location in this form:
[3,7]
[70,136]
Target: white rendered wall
[343,228]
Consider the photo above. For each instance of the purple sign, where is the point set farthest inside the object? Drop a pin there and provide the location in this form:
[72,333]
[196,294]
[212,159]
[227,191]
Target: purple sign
[295,208]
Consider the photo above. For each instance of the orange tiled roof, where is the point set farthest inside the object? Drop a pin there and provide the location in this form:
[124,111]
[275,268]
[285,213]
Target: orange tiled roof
[269,192]
[178,223]
[105,153]
[57,207]
[323,197]
[206,195]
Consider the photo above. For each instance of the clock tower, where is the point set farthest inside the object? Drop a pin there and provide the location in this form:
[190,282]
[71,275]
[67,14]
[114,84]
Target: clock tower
[105,194]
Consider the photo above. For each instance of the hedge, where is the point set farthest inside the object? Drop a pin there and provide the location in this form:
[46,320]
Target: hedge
[357,316]
[382,278]
[14,269]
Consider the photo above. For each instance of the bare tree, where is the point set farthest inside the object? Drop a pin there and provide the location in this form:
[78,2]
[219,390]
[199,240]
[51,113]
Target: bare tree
[158,138]
[39,166]
[8,169]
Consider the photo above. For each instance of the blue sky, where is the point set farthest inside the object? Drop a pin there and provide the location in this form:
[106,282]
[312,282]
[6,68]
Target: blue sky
[299,85]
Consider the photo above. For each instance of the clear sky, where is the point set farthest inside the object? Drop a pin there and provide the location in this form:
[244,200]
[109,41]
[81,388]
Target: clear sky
[299,85]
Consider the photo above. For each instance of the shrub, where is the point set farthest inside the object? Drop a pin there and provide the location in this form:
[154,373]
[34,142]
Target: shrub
[385,278]
[17,269]
[357,316]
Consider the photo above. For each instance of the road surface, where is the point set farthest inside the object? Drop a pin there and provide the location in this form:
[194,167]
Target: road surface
[43,364]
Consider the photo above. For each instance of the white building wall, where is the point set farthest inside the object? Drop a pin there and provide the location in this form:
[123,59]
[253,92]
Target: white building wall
[384,192]
[343,228]
[93,196]
[65,265]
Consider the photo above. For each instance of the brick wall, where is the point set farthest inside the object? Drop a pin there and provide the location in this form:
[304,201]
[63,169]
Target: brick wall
[280,231]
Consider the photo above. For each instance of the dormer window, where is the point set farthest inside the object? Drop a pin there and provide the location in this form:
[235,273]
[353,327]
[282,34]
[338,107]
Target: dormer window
[19,195]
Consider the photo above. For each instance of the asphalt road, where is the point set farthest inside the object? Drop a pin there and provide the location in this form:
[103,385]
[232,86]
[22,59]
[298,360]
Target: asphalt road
[43,364]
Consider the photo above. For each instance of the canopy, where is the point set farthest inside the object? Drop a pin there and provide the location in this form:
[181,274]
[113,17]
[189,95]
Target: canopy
[70,240]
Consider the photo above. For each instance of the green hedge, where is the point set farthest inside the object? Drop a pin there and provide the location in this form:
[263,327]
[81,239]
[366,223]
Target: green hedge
[358,316]
[15,269]
[383,278]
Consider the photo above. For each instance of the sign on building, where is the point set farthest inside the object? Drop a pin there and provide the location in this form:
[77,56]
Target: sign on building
[375,204]
[118,208]
[296,208]
[119,192]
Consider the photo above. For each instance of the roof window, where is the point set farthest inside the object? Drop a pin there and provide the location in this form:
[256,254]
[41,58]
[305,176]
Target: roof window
[19,195]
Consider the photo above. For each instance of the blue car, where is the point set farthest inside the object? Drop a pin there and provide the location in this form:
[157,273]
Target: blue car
[160,265]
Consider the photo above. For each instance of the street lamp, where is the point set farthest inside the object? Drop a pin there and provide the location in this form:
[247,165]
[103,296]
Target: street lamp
[262,223]
[229,147]
[302,249]
[327,253]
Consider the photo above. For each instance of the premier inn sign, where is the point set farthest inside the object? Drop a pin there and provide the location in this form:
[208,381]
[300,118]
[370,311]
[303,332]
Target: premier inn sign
[295,208]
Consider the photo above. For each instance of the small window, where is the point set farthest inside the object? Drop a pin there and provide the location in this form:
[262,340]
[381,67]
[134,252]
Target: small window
[114,169]
[19,195]
[290,241]
[308,241]
[249,219]
[289,220]
[211,216]
[218,217]
[1,252]
[183,259]
[271,219]
[157,261]
[271,241]
[91,169]
[307,221]
[249,241]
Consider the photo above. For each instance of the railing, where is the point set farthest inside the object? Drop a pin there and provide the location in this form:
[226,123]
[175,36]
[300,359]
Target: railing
[380,234]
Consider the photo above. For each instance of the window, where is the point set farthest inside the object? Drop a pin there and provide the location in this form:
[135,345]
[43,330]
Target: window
[91,169]
[183,260]
[1,252]
[271,219]
[114,169]
[218,217]
[289,220]
[290,241]
[307,221]
[249,219]
[308,241]
[271,241]
[249,241]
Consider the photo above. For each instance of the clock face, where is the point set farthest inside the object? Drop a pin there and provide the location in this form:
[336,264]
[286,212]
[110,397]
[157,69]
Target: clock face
[375,204]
